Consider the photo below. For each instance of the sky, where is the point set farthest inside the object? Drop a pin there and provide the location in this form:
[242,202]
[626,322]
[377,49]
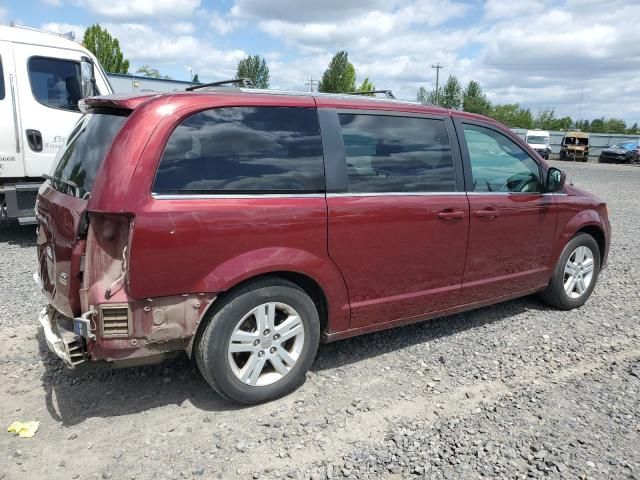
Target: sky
[580,57]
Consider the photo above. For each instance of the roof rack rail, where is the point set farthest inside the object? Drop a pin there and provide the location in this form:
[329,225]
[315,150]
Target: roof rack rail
[69,35]
[242,82]
[388,93]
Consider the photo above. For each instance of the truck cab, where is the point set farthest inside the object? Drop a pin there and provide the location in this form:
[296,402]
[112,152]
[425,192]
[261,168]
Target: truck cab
[539,141]
[43,76]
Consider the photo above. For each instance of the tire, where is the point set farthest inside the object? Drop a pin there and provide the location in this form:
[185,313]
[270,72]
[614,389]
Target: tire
[555,294]
[239,313]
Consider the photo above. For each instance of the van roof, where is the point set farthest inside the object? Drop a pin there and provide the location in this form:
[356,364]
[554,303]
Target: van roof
[32,36]
[133,100]
[543,133]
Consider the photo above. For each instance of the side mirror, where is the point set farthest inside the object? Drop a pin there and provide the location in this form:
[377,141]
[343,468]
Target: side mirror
[87,77]
[555,180]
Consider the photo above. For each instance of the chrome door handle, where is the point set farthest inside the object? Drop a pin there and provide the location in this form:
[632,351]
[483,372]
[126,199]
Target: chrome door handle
[488,213]
[449,214]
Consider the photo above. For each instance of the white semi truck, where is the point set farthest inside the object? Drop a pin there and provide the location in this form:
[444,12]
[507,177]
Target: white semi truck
[42,78]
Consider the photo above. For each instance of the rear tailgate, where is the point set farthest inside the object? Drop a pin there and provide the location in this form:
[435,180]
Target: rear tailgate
[59,247]
[62,205]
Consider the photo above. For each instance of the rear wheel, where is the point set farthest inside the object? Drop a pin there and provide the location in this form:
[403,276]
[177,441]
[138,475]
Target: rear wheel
[260,344]
[575,274]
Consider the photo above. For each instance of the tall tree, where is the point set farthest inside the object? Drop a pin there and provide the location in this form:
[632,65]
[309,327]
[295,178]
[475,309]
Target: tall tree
[340,75]
[421,96]
[451,96]
[195,79]
[474,100]
[255,68]
[106,49]
[616,125]
[147,71]
[366,86]
[633,129]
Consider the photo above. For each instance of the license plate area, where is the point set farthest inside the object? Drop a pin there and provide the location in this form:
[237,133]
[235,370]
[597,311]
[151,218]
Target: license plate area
[82,327]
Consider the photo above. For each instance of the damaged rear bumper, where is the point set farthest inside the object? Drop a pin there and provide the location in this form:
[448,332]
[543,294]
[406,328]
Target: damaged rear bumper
[61,338]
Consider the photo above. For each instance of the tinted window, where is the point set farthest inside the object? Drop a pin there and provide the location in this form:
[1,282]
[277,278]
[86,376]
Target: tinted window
[498,164]
[81,157]
[397,154]
[1,81]
[244,150]
[55,83]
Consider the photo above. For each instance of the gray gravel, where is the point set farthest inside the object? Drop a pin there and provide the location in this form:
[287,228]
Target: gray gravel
[517,390]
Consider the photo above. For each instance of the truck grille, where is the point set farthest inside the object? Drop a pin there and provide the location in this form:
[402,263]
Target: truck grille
[115,320]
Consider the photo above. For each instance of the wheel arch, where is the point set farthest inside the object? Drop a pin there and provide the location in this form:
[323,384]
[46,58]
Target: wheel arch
[598,234]
[308,284]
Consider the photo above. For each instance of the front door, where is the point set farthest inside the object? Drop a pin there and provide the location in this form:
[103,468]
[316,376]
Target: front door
[49,91]
[399,232]
[512,223]
[11,164]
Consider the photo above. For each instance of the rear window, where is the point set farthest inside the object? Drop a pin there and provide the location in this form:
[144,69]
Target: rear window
[55,82]
[81,157]
[244,150]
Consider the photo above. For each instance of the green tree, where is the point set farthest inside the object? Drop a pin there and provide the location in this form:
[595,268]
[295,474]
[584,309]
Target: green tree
[147,71]
[106,49]
[195,79]
[451,96]
[616,125]
[474,100]
[633,129]
[422,95]
[366,86]
[598,125]
[340,75]
[255,68]
[512,115]
[432,98]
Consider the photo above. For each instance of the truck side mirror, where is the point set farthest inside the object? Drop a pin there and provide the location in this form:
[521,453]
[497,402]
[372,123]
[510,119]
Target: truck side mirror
[555,180]
[87,77]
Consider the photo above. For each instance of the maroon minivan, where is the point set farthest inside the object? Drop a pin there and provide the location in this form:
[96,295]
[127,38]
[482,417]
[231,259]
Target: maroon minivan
[245,226]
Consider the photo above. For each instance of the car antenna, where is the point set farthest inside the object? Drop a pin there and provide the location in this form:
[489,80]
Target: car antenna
[388,93]
[242,82]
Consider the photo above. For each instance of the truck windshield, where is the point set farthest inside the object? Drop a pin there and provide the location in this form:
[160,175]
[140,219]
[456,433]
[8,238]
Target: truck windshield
[538,140]
[80,158]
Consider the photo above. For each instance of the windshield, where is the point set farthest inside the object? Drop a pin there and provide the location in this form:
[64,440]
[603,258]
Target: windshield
[576,141]
[538,140]
[79,159]
[626,145]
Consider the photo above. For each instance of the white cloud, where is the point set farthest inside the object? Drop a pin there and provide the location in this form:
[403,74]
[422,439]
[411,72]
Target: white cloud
[3,14]
[78,30]
[223,24]
[138,9]
[183,28]
[144,45]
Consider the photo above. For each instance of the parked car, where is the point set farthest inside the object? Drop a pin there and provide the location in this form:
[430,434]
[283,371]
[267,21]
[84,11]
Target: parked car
[42,77]
[539,140]
[246,226]
[625,152]
[575,147]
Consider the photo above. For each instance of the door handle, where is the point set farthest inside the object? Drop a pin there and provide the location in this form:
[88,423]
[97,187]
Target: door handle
[34,138]
[449,214]
[488,213]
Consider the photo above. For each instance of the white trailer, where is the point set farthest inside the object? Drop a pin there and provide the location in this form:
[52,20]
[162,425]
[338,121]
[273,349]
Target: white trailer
[42,77]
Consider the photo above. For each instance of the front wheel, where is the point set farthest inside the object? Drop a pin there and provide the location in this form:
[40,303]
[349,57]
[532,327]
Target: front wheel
[260,343]
[575,275]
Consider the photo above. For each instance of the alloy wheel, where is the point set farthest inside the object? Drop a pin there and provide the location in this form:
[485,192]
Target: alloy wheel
[578,272]
[266,344]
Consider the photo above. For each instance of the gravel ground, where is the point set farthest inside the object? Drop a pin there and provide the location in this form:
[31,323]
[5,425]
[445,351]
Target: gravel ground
[516,390]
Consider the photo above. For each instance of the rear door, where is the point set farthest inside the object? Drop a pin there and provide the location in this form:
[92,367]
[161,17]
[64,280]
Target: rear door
[398,232]
[512,223]
[11,164]
[61,204]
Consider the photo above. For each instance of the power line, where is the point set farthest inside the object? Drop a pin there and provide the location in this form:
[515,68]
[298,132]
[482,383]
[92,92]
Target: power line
[311,84]
[437,66]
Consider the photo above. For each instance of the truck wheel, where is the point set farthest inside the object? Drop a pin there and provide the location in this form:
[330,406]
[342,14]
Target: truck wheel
[575,275]
[261,342]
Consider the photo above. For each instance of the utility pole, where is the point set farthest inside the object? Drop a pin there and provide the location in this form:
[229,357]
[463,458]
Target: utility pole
[437,66]
[311,84]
